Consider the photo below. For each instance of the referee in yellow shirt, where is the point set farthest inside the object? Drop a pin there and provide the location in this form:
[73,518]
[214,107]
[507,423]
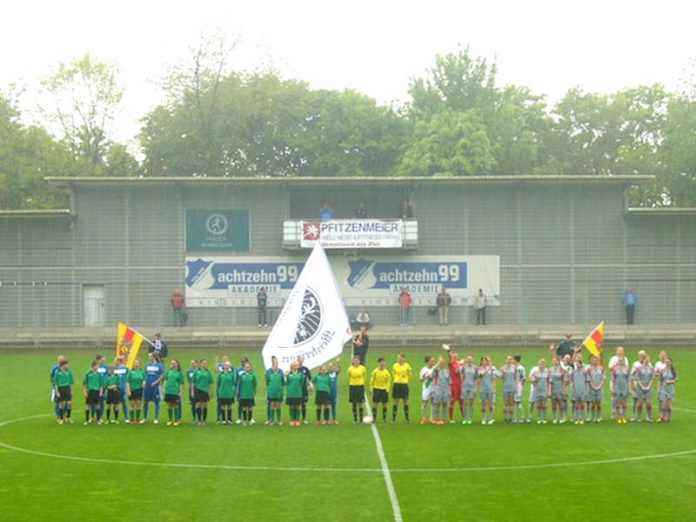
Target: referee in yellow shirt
[357,376]
[402,376]
[380,382]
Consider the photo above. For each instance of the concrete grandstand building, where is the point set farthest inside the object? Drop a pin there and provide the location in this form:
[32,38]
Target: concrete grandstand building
[547,251]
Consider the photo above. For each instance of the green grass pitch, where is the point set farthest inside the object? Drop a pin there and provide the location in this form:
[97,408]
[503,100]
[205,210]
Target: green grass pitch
[453,472]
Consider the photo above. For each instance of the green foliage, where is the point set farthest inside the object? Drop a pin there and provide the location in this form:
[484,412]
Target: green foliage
[27,154]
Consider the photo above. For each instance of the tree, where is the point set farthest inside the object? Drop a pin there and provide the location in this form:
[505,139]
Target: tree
[84,97]
[513,119]
[27,154]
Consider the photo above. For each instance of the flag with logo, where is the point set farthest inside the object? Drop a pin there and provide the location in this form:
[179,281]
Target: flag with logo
[128,343]
[313,322]
[594,341]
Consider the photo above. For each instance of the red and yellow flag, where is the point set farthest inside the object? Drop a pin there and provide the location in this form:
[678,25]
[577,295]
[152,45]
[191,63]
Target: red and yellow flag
[594,341]
[128,343]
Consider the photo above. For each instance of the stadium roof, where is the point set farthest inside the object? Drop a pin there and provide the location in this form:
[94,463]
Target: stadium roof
[42,213]
[661,211]
[387,180]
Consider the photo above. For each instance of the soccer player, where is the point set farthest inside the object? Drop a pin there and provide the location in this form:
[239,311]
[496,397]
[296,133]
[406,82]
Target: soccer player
[530,405]
[154,373]
[634,388]
[122,372]
[334,372]
[305,387]
[595,381]
[361,343]
[113,394]
[644,376]
[357,375]
[54,370]
[521,379]
[173,388]
[442,387]
[620,352]
[135,385]
[240,371]
[662,362]
[226,387]
[401,376]
[295,383]
[486,375]
[469,373]
[456,389]
[559,382]
[92,383]
[579,381]
[189,378]
[62,382]
[509,377]
[426,378]
[202,381]
[620,376]
[219,365]
[270,412]
[103,370]
[275,380]
[322,385]
[246,393]
[380,382]
[540,382]
[668,378]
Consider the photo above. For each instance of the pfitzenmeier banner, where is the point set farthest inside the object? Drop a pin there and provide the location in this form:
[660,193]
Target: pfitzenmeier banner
[352,233]
[364,280]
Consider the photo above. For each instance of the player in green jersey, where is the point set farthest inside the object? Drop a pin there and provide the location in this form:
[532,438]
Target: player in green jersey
[134,389]
[275,380]
[202,381]
[322,385]
[62,382]
[295,381]
[226,386]
[92,384]
[173,387]
[246,390]
[112,384]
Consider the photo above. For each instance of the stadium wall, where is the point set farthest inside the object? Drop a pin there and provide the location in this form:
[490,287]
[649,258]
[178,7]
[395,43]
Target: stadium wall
[568,246]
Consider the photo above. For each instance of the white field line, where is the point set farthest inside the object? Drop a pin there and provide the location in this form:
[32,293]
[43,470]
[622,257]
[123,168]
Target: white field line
[396,508]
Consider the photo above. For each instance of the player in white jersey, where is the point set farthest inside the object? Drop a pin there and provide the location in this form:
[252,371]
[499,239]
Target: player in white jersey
[521,378]
[530,408]
[662,362]
[634,392]
[620,352]
[426,379]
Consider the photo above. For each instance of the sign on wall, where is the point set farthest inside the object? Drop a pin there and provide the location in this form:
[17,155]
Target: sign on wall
[217,230]
[352,233]
[364,280]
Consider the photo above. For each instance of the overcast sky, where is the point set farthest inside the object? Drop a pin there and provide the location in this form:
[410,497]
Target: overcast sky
[372,46]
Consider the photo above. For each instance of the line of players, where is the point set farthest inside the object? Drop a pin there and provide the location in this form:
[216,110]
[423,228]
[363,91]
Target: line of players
[446,383]
[567,381]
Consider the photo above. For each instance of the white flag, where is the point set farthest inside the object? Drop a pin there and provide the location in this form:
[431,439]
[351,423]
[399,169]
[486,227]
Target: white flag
[313,323]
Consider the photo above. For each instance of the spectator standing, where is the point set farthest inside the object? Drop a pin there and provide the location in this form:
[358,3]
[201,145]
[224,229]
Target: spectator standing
[630,300]
[444,300]
[179,308]
[480,304]
[363,318]
[405,302]
[407,210]
[361,343]
[326,213]
[360,212]
[262,306]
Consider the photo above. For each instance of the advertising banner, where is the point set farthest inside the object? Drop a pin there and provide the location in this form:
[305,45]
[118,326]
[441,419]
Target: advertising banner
[217,230]
[352,233]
